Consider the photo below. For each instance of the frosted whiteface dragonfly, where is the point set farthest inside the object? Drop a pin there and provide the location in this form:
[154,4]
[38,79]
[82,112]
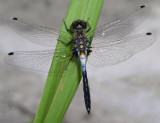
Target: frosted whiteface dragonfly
[109,45]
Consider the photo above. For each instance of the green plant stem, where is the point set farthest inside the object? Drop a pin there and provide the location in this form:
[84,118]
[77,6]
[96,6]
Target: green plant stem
[62,83]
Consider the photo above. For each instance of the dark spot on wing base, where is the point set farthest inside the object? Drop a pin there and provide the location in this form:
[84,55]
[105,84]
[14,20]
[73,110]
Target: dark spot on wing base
[11,53]
[148,33]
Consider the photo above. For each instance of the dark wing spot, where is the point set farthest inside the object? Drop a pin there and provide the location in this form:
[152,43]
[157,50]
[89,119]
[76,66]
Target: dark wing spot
[148,33]
[15,18]
[142,6]
[11,53]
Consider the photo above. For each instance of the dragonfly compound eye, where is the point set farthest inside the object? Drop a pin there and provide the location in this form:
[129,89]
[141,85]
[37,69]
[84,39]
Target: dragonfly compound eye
[83,24]
[79,24]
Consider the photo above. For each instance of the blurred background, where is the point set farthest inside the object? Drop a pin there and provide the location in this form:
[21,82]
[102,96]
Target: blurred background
[128,92]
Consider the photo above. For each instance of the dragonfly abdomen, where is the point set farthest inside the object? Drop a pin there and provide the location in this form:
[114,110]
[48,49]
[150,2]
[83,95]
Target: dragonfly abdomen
[86,92]
[85,82]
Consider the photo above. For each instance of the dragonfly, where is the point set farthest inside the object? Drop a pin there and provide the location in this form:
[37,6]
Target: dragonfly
[109,45]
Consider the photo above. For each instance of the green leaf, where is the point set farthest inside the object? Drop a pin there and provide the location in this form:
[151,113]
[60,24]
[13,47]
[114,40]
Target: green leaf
[62,81]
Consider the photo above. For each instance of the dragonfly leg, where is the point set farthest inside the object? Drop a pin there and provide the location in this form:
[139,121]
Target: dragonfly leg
[90,41]
[69,62]
[70,42]
[89,26]
[67,27]
[66,43]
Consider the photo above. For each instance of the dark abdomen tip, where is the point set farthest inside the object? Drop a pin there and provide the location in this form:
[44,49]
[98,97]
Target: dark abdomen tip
[88,110]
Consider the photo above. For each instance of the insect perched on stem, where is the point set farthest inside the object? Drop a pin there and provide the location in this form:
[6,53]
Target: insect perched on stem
[82,50]
[109,45]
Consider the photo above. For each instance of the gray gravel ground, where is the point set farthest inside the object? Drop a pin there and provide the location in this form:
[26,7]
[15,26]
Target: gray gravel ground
[124,93]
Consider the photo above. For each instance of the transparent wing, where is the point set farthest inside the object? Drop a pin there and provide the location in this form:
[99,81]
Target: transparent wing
[34,60]
[36,34]
[123,26]
[115,52]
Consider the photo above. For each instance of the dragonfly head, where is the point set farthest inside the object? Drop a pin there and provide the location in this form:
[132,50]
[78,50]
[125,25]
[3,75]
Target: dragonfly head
[79,25]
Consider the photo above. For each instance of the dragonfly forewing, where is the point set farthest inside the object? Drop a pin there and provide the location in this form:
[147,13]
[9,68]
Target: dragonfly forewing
[122,26]
[37,34]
